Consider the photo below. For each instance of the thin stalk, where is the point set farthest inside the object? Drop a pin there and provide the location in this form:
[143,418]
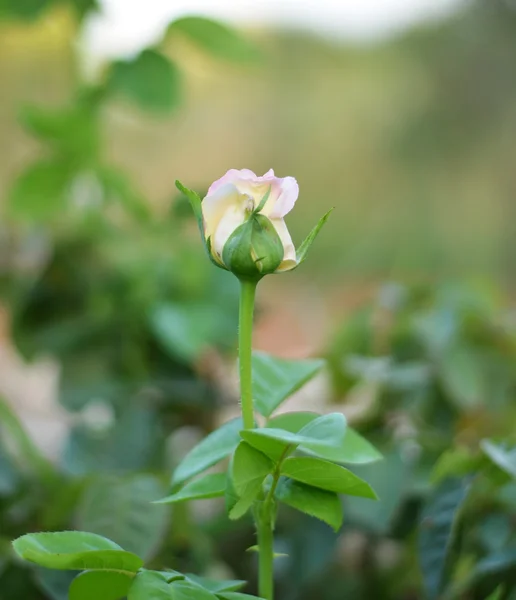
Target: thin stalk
[266,554]
[245,341]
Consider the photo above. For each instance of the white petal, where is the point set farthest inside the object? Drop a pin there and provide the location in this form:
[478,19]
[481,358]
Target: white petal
[233,217]
[289,257]
[215,205]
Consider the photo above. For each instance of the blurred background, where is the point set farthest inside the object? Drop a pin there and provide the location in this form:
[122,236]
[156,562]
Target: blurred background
[118,337]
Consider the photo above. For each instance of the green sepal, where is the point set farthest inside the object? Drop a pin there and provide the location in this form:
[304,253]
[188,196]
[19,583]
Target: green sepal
[254,249]
[302,251]
[196,204]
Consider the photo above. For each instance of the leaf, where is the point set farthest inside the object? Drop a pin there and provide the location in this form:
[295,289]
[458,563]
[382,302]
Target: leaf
[150,585]
[186,330]
[195,203]
[502,457]
[327,476]
[41,191]
[292,421]
[275,379]
[121,509]
[302,251]
[75,550]
[317,503]
[186,590]
[211,450]
[101,585]
[26,10]
[390,480]
[212,485]
[437,533]
[322,436]
[249,469]
[235,507]
[215,38]
[455,462]
[72,131]
[497,594]
[237,596]
[216,586]
[150,80]
[354,449]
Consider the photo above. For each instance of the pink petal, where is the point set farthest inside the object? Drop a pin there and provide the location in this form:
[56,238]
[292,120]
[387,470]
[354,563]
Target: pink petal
[232,176]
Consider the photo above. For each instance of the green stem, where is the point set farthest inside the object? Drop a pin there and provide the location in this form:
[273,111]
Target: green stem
[245,341]
[266,553]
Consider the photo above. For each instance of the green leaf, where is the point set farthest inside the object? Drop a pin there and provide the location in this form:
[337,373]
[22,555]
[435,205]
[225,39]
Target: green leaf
[235,507]
[26,10]
[250,468]
[317,503]
[455,462]
[72,131]
[101,585]
[303,249]
[322,437]
[186,590]
[216,586]
[186,330]
[215,38]
[354,449]
[195,203]
[502,457]
[75,550]
[150,80]
[150,585]
[41,191]
[327,476]
[275,379]
[497,594]
[437,533]
[292,421]
[212,485]
[213,448]
[121,509]
[236,596]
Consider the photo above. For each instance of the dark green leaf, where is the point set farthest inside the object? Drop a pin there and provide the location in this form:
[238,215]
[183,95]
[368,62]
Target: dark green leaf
[213,448]
[101,585]
[327,476]
[437,532]
[121,509]
[317,503]
[212,485]
[302,251]
[275,379]
[75,550]
[215,38]
[150,80]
